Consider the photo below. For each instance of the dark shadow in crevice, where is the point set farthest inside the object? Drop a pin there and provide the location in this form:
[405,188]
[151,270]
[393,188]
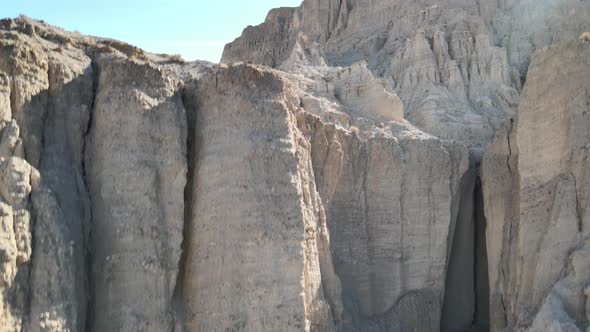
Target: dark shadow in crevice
[190,104]
[482,285]
[466,300]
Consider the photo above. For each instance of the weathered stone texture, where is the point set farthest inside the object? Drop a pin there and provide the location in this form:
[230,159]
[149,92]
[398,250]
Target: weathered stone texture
[536,188]
[135,163]
[457,65]
[257,229]
[339,191]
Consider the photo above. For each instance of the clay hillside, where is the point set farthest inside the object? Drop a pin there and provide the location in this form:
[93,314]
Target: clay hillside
[351,165]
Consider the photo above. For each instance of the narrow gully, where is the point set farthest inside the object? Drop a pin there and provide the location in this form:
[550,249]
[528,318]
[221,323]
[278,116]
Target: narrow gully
[465,304]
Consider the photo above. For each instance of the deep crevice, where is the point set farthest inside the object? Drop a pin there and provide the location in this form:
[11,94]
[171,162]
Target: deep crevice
[466,300]
[178,300]
[86,227]
[579,212]
[481,320]
[509,146]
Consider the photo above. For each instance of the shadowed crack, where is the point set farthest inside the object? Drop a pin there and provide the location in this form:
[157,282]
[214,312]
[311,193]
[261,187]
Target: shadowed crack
[178,300]
[87,226]
[465,304]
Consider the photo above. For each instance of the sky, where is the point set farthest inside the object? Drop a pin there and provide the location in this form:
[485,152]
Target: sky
[195,29]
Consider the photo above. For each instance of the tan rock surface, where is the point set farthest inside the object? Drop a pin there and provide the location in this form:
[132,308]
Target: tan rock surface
[135,162]
[457,65]
[110,212]
[388,196]
[49,85]
[338,192]
[535,186]
[258,249]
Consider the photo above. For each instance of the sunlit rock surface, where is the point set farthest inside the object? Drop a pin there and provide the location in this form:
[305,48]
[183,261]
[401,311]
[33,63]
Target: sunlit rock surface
[404,165]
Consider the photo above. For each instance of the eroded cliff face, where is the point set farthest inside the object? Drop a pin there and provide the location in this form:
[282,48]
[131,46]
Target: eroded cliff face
[257,251]
[388,196]
[135,169]
[140,193]
[457,65]
[344,190]
[460,69]
[535,185]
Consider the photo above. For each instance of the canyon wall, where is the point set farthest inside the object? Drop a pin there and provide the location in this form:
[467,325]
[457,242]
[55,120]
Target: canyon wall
[458,65]
[257,251]
[153,195]
[404,165]
[535,187]
[463,71]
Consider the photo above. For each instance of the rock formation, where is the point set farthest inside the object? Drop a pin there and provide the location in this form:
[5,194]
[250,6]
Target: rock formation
[353,166]
[457,65]
[536,191]
[258,252]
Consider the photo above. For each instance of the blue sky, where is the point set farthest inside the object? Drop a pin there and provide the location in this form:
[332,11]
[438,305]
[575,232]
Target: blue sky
[196,29]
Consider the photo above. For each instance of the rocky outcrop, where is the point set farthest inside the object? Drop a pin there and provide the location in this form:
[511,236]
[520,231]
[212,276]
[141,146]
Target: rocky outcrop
[343,190]
[389,215]
[136,173]
[461,89]
[148,194]
[258,249]
[345,96]
[59,92]
[58,278]
[328,179]
[535,187]
[17,179]
[458,66]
